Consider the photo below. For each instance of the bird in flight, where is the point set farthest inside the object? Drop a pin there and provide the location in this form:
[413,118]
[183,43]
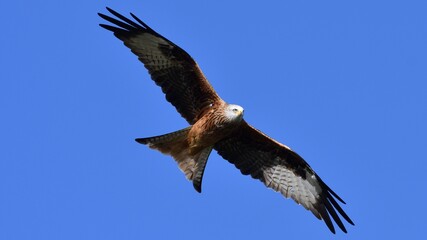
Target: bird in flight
[216,124]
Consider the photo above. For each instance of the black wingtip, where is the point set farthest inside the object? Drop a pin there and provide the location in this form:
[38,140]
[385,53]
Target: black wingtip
[141,22]
[335,216]
[111,11]
[109,28]
[141,140]
[329,190]
[325,216]
[340,210]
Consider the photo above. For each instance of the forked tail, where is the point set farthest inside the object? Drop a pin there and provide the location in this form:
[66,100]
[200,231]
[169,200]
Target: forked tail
[176,145]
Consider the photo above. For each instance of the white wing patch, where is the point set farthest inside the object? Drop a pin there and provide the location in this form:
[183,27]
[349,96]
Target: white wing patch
[304,191]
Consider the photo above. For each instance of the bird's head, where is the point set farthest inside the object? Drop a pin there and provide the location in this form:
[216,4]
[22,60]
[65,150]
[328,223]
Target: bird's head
[234,112]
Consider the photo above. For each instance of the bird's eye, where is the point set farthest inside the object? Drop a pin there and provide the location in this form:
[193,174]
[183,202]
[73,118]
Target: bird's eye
[235,110]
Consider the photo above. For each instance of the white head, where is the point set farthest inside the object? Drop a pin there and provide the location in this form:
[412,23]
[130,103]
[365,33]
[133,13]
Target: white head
[234,112]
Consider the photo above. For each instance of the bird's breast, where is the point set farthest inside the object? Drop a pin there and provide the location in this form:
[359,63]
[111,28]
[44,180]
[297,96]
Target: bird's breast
[210,129]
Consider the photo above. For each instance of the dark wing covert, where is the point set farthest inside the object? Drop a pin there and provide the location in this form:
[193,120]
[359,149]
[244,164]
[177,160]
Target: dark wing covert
[171,68]
[283,170]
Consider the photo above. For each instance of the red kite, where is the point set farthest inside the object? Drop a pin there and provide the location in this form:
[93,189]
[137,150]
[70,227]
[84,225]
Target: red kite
[215,124]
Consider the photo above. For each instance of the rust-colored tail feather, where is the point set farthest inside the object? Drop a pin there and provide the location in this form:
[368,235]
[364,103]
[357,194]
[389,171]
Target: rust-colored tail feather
[176,145]
[202,160]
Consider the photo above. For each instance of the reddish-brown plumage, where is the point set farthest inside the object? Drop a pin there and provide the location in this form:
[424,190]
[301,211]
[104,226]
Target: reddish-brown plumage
[220,126]
[212,127]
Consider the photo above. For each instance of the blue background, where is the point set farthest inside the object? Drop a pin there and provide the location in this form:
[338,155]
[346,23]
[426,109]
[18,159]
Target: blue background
[343,84]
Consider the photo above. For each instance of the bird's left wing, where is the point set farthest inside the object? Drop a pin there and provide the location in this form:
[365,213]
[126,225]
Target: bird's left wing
[283,170]
[171,68]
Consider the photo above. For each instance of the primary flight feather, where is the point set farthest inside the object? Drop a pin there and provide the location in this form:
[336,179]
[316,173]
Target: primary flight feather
[215,124]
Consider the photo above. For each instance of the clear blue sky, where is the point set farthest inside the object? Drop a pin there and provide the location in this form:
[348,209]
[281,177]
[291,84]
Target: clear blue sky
[343,84]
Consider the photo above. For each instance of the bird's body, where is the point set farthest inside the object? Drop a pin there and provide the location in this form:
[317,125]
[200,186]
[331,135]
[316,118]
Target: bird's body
[215,124]
[218,123]
[191,146]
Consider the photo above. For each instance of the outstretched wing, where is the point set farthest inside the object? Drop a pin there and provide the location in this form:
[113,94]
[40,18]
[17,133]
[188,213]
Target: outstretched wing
[173,69]
[283,170]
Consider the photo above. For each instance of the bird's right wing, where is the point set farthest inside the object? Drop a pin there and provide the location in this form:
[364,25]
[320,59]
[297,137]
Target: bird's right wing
[173,69]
